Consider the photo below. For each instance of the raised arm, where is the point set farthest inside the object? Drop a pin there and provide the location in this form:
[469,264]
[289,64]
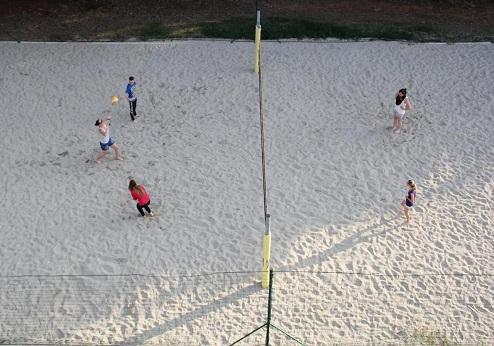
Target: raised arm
[105,122]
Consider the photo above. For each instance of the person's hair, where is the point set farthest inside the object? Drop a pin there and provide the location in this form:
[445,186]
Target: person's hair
[131,78]
[132,184]
[134,187]
[412,184]
[98,122]
[399,99]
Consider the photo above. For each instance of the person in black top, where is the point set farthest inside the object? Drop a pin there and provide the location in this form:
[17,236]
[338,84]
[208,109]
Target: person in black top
[409,200]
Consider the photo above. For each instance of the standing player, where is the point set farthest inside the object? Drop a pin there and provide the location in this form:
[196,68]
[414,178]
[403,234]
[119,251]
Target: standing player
[139,193]
[410,199]
[132,97]
[106,141]
[402,104]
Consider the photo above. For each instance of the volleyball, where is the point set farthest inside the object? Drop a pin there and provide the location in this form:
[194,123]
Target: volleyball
[114,100]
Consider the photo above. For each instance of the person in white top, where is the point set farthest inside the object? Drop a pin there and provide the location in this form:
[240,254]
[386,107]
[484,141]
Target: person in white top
[402,104]
[106,141]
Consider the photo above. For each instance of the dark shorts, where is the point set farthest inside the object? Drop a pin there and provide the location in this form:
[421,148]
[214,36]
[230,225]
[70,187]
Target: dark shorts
[106,146]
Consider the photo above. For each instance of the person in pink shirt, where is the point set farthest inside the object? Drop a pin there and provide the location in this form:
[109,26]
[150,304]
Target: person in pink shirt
[139,194]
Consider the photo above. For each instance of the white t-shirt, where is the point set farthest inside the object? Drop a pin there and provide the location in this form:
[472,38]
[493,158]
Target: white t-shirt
[400,109]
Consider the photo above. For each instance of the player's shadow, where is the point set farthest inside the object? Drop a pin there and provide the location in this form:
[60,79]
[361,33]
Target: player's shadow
[359,237]
[201,312]
[356,238]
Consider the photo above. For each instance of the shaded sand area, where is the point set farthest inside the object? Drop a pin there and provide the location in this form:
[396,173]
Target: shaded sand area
[336,175]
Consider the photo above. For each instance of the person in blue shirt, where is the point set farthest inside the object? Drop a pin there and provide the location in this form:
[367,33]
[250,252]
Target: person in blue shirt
[132,97]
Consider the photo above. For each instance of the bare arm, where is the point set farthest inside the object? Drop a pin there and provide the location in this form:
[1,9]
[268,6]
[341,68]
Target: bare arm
[105,122]
[408,105]
[103,129]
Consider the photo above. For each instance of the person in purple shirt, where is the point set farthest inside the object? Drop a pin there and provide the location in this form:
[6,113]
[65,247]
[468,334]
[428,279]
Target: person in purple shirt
[409,200]
[132,97]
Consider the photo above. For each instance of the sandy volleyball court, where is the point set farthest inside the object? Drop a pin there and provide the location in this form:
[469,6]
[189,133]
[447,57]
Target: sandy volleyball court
[336,175]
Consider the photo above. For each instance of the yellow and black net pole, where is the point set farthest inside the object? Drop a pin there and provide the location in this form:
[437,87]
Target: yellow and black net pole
[257,58]
[266,243]
[266,254]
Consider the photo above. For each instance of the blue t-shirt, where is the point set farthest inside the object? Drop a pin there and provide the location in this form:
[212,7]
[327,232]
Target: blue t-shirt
[130,91]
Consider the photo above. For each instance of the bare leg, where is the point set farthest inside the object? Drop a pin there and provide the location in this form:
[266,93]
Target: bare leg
[405,210]
[117,152]
[396,124]
[407,214]
[100,155]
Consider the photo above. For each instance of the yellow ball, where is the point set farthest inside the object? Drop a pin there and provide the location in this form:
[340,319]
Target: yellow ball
[114,100]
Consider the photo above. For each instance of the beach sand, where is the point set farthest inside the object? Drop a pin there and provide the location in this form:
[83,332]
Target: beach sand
[336,175]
